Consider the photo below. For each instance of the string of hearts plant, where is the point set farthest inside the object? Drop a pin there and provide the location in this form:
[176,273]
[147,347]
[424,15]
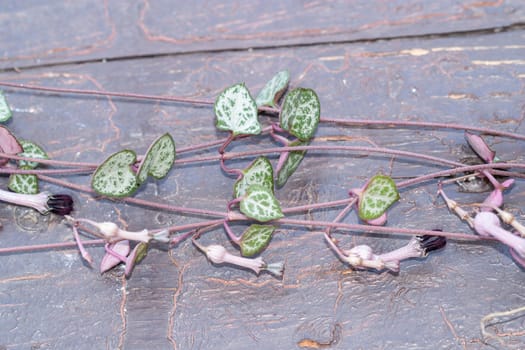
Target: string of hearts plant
[255,203]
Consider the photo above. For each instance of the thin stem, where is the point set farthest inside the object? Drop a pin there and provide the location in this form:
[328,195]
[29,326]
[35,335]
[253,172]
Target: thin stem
[49,246]
[142,202]
[398,123]
[448,172]
[194,226]
[382,229]
[342,214]
[50,161]
[17,171]
[108,93]
[323,205]
[269,110]
[233,155]
[235,239]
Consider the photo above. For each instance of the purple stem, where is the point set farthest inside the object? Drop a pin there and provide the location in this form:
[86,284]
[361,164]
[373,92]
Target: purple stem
[342,213]
[109,93]
[382,229]
[281,139]
[114,253]
[270,110]
[231,171]
[397,123]
[231,235]
[456,170]
[48,246]
[233,202]
[280,163]
[137,201]
[50,161]
[81,248]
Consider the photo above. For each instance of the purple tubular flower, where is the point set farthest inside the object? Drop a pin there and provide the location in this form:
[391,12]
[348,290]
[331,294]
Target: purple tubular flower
[60,204]
[429,243]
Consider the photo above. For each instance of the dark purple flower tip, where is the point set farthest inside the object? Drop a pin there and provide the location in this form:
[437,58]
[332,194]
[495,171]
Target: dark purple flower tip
[429,243]
[61,204]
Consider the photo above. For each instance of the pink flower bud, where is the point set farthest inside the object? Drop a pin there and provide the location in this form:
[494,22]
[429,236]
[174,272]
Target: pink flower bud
[480,147]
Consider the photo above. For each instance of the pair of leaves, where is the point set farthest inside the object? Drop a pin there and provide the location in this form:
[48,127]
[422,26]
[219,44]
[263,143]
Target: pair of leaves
[116,177]
[236,110]
[258,202]
[377,196]
[255,189]
[27,183]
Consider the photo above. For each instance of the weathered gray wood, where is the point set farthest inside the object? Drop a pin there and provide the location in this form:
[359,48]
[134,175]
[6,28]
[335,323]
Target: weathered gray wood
[52,300]
[34,32]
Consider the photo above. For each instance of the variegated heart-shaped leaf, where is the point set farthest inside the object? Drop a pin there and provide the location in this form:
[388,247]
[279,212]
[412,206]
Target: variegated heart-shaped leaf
[5,111]
[31,150]
[379,194]
[260,204]
[114,177]
[273,89]
[300,113]
[23,183]
[255,239]
[290,164]
[236,111]
[158,160]
[259,172]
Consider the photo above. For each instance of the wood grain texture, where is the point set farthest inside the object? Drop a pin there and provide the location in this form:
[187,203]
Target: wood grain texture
[34,33]
[178,300]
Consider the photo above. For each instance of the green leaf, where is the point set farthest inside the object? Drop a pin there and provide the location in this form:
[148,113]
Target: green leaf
[114,177]
[158,160]
[23,183]
[31,150]
[379,194]
[236,111]
[291,163]
[300,113]
[5,111]
[255,239]
[260,204]
[259,172]
[273,89]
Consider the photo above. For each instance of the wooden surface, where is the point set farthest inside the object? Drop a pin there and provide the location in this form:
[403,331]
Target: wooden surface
[365,59]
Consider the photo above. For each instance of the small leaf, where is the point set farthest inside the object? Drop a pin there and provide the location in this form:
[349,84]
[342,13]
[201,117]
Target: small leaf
[291,163]
[23,183]
[255,239]
[31,150]
[158,160]
[379,194]
[273,89]
[300,113]
[260,204]
[5,111]
[259,172]
[236,111]
[8,144]
[139,252]
[114,177]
